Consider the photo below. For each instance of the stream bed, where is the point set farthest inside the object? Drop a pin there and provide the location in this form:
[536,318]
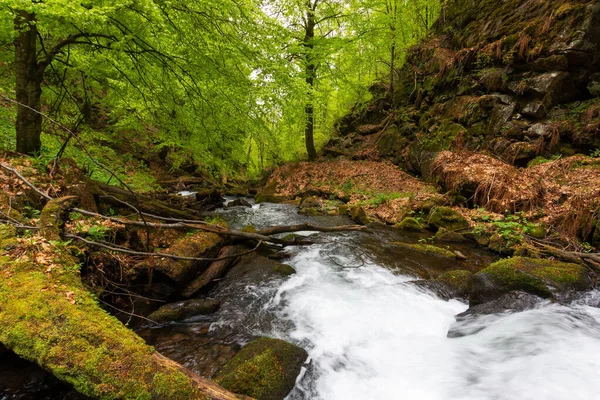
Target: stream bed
[372,334]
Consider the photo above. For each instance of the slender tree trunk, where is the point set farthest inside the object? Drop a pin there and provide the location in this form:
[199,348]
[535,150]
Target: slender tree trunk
[28,85]
[311,72]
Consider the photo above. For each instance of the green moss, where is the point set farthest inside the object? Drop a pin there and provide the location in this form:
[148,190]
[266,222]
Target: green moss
[446,217]
[249,229]
[46,316]
[410,224]
[460,281]
[536,231]
[538,276]
[200,244]
[284,269]
[265,369]
[427,249]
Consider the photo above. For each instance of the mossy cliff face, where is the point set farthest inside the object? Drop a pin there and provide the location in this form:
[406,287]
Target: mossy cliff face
[536,276]
[265,369]
[504,77]
[47,316]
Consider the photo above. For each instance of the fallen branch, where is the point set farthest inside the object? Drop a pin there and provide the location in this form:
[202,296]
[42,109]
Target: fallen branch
[214,271]
[310,227]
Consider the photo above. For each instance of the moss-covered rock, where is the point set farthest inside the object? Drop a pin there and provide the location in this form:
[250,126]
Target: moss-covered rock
[184,309]
[200,244]
[536,276]
[535,231]
[427,249]
[410,224]
[444,235]
[265,369]
[459,282]
[359,215]
[267,195]
[446,217]
[284,269]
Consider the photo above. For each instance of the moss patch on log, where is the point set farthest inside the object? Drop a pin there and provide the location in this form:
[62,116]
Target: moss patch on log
[48,317]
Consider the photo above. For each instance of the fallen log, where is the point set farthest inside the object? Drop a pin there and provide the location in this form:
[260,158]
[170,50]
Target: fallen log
[214,271]
[48,317]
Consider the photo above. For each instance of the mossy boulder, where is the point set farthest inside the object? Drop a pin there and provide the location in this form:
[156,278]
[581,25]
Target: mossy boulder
[446,217]
[184,309]
[284,269]
[459,282]
[359,215]
[535,276]
[52,218]
[535,231]
[444,235]
[427,249]
[267,194]
[200,244]
[265,369]
[410,224]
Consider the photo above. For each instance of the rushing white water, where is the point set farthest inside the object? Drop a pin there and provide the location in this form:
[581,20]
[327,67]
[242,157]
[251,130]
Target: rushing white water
[371,335]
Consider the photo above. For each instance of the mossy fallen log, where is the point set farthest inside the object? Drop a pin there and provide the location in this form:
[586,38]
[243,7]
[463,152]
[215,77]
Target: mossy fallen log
[48,317]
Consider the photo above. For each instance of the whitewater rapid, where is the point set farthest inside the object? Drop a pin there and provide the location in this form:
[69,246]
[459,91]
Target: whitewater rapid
[371,335]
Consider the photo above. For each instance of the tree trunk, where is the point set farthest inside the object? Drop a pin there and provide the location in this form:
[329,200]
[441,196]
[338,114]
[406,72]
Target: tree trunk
[28,85]
[311,71]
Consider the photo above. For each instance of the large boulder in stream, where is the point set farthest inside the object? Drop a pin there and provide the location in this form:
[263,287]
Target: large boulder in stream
[265,369]
[536,276]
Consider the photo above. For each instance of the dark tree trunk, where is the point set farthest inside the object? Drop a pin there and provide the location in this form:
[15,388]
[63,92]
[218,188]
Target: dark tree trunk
[28,85]
[311,71]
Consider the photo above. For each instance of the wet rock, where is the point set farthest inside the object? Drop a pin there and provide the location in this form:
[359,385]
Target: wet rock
[410,224]
[267,195]
[515,301]
[446,236]
[427,249]
[201,244]
[210,198]
[539,277]
[184,310]
[445,217]
[458,282]
[284,269]
[359,216]
[593,85]
[440,289]
[239,203]
[265,369]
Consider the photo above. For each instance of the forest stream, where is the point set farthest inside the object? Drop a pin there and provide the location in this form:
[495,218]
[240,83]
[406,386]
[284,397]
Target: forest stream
[371,334]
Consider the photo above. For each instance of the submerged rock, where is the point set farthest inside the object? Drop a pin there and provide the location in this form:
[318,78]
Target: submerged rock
[184,309]
[265,369]
[536,276]
[515,301]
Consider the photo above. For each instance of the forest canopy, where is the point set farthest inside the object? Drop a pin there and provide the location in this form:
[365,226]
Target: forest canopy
[232,85]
